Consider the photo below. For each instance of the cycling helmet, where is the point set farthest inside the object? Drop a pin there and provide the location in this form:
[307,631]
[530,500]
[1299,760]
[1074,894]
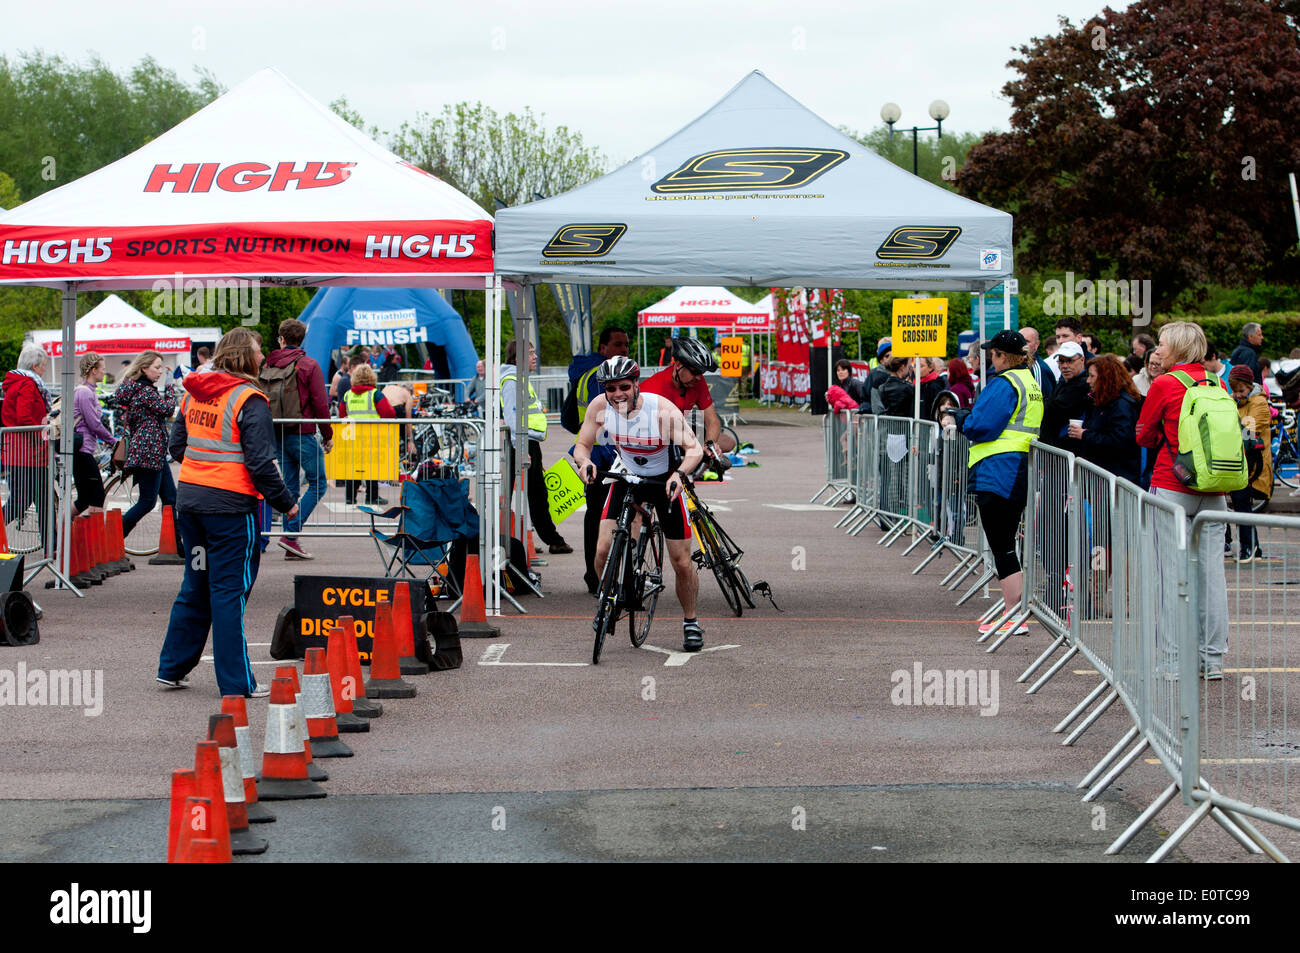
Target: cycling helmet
[693,355]
[618,369]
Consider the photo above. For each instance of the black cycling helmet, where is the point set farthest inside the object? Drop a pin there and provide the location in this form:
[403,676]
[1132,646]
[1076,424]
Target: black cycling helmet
[693,355]
[618,368]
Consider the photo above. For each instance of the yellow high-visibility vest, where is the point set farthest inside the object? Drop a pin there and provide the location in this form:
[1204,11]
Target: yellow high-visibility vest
[536,416]
[1025,420]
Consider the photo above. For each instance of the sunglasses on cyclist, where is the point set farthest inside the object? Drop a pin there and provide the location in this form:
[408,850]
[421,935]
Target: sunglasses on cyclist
[618,388]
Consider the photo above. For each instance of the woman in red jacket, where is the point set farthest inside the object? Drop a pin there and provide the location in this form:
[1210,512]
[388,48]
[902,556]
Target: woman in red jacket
[27,403]
[1183,348]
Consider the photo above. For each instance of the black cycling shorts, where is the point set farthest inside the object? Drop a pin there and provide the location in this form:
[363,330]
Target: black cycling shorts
[672,517]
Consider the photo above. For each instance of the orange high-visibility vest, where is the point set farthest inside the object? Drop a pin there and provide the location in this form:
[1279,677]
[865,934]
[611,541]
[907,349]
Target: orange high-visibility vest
[213,454]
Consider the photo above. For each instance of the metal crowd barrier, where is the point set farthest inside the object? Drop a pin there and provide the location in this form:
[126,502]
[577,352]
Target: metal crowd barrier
[29,492]
[366,465]
[1117,576]
[835,428]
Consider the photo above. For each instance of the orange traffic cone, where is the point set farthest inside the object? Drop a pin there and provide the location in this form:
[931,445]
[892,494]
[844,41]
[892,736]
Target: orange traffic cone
[116,539]
[221,729]
[318,708]
[402,626]
[284,762]
[258,813]
[107,562]
[361,705]
[314,771]
[168,542]
[207,784]
[385,671]
[83,573]
[4,538]
[473,613]
[343,688]
[183,786]
[196,843]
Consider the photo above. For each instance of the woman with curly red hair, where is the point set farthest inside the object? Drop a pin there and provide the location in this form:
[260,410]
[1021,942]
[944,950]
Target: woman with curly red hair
[1108,436]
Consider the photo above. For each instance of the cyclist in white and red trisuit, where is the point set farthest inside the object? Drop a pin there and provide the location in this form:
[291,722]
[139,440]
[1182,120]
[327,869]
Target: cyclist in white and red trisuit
[645,430]
[682,382]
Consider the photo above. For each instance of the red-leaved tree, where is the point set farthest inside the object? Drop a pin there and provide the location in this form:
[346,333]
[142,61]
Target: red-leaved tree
[1154,143]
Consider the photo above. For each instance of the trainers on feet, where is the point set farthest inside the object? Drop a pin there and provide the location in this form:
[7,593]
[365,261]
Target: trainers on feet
[561,548]
[259,691]
[1212,674]
[988,626]
[173,682]
[293,549]
[692,637]
[1246,558]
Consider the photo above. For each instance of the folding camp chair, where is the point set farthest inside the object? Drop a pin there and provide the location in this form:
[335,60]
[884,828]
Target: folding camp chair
[430,517]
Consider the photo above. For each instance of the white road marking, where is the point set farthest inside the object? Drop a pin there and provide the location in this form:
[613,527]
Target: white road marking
[493,653]
[681,658]
[803,507]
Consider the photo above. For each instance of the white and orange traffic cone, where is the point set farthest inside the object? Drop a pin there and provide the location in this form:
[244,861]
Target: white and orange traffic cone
[318,708]
[221,729]
[207,784]
[284,761]
[314,771]
[258,813]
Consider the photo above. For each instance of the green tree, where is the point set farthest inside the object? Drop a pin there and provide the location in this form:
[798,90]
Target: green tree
[60,120]
[489,156]
[938,160]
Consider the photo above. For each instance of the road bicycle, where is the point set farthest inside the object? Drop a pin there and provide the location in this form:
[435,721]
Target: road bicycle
[634,570]
[1286,448]
[719,553]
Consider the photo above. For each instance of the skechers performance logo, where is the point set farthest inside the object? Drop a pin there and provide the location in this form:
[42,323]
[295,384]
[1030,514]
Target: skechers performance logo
[918,242]
[748,170]
[589,240]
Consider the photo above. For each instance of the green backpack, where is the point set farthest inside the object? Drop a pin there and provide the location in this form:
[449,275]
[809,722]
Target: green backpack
[1210,457]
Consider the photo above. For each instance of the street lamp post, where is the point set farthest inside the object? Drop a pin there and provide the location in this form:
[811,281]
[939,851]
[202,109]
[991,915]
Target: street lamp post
[890,113]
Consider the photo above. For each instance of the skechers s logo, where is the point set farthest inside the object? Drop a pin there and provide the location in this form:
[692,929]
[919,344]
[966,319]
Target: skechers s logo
[589,240]
[918,241]
[728,170]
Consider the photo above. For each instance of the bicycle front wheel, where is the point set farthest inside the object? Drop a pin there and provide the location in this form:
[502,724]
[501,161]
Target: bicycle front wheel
[649,581]
[607,599]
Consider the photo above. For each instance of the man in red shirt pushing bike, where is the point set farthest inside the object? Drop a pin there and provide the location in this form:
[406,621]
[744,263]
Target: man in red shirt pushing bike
[682,383]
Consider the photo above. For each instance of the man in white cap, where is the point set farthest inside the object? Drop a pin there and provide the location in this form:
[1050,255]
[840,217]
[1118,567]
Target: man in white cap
[1069,398]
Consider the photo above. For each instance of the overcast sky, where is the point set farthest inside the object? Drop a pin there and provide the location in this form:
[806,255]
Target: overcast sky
[625,75]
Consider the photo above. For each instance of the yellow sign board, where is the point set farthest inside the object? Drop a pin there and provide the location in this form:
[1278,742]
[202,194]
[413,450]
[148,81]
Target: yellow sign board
[732,350]
[363,452]
[920,327]
[565,491]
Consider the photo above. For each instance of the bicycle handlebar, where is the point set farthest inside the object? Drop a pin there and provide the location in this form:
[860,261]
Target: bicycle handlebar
[621,476]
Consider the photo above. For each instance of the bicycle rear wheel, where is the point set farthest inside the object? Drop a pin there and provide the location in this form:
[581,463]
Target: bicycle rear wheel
[649,581]
[717,561]
[607,598]
[121,492]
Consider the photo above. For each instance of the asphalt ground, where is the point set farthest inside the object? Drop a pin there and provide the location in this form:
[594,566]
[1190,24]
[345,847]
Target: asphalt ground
[785,740]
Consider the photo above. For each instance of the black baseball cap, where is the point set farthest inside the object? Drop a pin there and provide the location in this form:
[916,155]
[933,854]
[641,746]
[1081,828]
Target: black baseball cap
[1008,342]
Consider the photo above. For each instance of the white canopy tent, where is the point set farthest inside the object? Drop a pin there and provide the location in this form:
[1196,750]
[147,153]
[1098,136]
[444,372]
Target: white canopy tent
[115,328]
[264,185]
[704,307]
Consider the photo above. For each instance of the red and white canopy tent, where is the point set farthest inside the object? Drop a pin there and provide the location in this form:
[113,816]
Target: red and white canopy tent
[693,306]
[263,185]
[114,327]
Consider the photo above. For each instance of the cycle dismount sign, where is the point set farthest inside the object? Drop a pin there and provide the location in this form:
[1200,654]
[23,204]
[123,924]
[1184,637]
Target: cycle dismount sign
[920,327]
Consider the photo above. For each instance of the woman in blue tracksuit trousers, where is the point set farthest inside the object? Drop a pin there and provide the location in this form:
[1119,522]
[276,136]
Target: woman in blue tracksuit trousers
[225,442]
